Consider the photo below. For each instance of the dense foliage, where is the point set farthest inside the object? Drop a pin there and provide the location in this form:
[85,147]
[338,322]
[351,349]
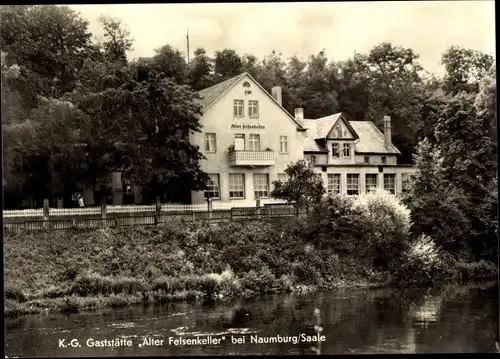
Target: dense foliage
[303,187]
[48,54]
[342,242]
[74,108]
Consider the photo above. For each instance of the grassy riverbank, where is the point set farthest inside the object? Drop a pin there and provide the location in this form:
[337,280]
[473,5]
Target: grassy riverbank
[70,270]
[340,244]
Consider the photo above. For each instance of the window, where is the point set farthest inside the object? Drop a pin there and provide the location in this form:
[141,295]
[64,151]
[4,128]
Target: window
[283,144]
[333,185]
[367,159]
[239,142]
[390,182]
[213,190]
[282,177]
[236,185]
[261,185]
[254,143]
[371,182]
[312,159]
[210,142]
[347,150]
[335,150]
[384,160]
[405,182]
[238,110]
[253,108]
[353,183]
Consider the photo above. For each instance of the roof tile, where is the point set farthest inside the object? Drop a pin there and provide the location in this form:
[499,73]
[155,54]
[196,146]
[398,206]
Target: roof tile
[371,139]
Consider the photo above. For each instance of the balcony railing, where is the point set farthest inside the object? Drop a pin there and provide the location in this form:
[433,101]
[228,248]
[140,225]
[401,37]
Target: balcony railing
[252,158]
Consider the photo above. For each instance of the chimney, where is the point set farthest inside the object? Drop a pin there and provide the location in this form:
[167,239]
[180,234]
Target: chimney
[299,116]
[276,92]
[387,131]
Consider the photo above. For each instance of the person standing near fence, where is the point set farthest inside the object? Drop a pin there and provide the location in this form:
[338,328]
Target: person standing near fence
[81,203]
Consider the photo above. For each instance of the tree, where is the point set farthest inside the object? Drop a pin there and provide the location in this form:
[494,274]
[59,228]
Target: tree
[140,129]
[295,80]
[49,43]
[172,63]
[464,69]
[227,64]
[321,87]
[395,89]
[200,70]
[250,64]
[457,174]
[354,88]
[117,39]
[303,188]
[437,206]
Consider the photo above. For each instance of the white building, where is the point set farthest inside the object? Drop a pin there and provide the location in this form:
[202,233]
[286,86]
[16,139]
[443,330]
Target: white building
[249,139]
[354,157]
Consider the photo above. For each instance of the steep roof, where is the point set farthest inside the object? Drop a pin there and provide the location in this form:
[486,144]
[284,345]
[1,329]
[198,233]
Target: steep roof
[310,143]
[371,139]
[212,94]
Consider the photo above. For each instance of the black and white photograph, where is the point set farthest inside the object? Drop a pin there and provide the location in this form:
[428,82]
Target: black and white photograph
[249,178]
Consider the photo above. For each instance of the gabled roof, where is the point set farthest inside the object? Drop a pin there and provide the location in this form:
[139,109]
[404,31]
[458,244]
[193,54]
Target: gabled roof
[212,94]
[327,124]
[310,142]
[371,139]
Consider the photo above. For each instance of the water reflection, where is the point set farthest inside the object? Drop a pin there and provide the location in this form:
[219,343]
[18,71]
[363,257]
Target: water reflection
[452,319]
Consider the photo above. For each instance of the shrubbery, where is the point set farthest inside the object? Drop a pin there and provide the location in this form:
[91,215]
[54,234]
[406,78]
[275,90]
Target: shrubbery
[373,227]
[420,263]
[363,239]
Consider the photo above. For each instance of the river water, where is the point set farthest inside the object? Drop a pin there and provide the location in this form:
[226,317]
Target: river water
[451,319]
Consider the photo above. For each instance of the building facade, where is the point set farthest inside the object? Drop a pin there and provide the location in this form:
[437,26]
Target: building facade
[248,139]
[354,157]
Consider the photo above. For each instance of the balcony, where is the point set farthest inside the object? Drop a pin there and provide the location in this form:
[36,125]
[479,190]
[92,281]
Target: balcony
[251,158]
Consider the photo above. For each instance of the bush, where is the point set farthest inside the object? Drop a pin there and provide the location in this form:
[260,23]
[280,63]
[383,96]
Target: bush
[385,224]
[374,227]
[261,281]
[14,293]
[481,270]
[420,264]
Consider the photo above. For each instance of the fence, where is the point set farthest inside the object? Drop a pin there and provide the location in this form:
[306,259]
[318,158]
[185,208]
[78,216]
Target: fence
[214,216]
[93,211]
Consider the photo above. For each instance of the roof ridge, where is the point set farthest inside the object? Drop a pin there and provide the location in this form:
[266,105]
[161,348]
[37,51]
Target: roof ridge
[223,82]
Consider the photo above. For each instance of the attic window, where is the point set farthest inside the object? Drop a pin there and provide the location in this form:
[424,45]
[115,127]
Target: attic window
[246,84]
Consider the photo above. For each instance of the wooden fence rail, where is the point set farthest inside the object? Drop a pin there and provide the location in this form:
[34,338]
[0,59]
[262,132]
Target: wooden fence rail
[46,211]
[132,219]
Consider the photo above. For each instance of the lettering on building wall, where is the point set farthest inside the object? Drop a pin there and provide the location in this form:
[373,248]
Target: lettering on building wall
[247,127]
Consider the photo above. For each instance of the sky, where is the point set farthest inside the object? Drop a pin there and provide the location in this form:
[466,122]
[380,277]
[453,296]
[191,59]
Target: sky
[342,28]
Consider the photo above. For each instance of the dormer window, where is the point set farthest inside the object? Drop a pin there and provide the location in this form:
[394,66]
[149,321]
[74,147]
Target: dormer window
[347,150]
[335,150]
